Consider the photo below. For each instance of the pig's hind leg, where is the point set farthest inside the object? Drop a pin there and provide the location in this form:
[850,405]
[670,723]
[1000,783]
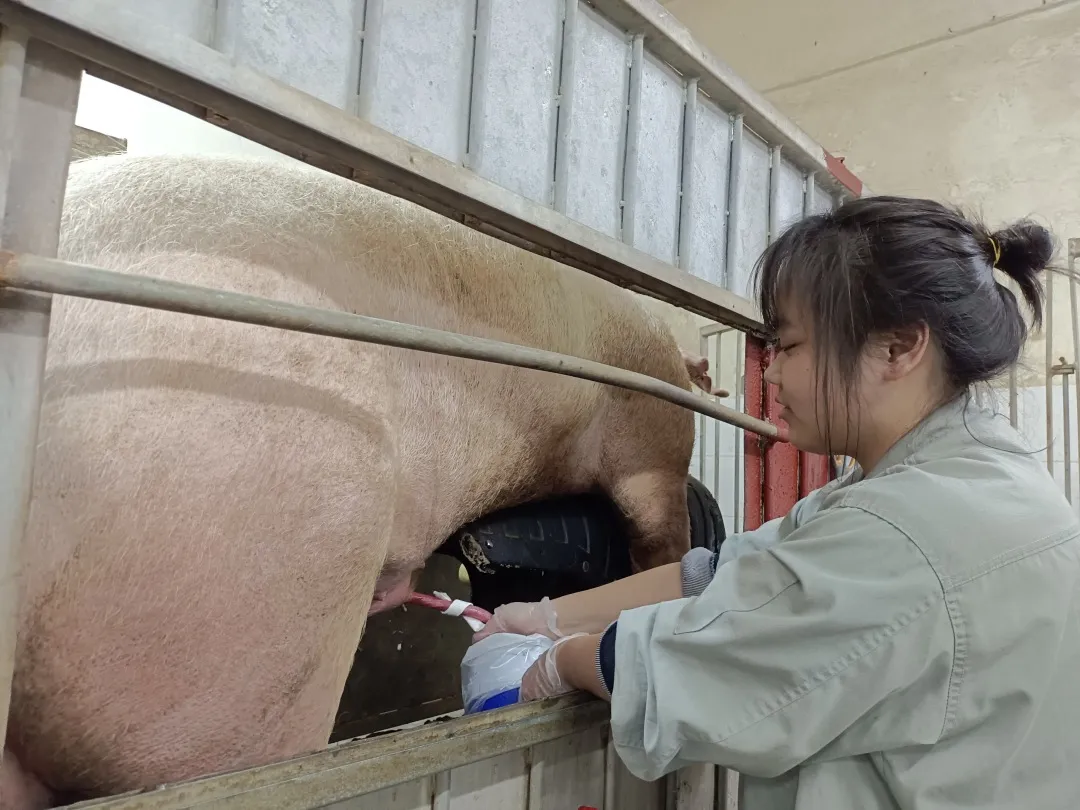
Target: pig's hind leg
[645,458]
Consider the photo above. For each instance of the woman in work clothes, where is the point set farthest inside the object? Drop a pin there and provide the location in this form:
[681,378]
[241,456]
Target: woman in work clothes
[907,636]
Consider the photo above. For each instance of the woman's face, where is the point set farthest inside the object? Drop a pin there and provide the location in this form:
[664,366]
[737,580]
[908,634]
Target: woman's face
[811,423]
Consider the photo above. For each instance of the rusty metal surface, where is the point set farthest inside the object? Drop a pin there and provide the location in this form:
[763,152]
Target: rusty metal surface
[814,472]
[364,766]
[754,447]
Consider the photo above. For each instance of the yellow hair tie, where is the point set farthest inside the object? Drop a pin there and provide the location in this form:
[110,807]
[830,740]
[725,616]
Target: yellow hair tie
[997,251]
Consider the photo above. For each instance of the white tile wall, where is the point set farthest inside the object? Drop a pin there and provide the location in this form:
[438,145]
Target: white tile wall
[718,458]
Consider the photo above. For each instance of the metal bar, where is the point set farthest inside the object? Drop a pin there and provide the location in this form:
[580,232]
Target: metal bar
[1049,332]
[565,103]
[1066,433]
[359,767]
[475,80]
[672,41]
[717,371]
[633,135]
[735,181]
[714,329]
[774,193]
[1074,249]
[809,194]
[37,274]
[123,47]
[703,350]
[753,447]
[1014,404]
[686,181]
[12,65]
[740,400]
[39,90]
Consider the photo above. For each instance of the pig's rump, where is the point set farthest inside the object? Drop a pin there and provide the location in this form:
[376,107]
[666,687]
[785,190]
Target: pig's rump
[215,504]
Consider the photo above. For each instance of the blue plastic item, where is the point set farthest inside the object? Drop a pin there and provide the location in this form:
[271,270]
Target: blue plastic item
[506,698]
[492,669]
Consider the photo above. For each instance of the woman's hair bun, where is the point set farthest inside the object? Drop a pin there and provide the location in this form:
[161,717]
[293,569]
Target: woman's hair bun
[1024,250]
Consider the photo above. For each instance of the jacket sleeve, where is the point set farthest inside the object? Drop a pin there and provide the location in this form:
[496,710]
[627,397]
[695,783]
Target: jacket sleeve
[699,564]
[836,640]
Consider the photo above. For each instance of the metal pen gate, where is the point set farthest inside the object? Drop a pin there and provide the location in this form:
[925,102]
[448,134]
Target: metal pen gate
[598,134]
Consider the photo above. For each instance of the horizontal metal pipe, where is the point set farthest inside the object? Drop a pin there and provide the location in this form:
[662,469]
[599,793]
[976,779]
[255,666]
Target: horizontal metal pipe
[38,274]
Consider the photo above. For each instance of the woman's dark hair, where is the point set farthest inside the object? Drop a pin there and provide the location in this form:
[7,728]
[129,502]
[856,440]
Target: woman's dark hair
[881,264]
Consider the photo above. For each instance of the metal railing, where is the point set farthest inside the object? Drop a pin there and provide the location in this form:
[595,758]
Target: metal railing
[44,47]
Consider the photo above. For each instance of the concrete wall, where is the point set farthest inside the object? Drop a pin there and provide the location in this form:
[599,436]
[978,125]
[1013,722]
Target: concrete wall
[973,103]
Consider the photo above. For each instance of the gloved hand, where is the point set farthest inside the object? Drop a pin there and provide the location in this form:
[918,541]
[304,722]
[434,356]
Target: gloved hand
[523,618]
[543,679]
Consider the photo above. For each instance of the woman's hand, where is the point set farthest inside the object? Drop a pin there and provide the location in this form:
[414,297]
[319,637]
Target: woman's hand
[586,611]
[568,666]
[543,679]
[523,618]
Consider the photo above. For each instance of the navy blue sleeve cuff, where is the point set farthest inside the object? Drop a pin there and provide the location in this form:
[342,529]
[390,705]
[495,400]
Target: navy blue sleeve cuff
[605,658]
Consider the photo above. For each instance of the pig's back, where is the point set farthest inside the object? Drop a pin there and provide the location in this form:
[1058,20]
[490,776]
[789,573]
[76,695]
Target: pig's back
[363,250]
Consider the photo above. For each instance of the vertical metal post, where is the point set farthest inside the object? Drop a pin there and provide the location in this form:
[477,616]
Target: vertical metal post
[476,85]
[1014,415]
[735,181]
[1049,324]
[1074,250]
[809,195]
[564,105]
[754,445]
[1066,435]
[703,350]
[740,401]
[39,90]
[633,136]
[717,374]
[686,186]
[774,193]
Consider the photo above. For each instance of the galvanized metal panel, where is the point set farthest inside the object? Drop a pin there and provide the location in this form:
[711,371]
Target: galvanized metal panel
[501,782]
[190,18]
[310,46]
[596,125]
[569,772]
[823,200]
[518,50]
[624,791]
[708,184]
[789,196]
[752,234]
[654,215]
[416,71]
[694,788]
[415,795]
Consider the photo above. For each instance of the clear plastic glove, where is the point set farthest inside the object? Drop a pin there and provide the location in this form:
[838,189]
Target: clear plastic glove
[543,679]
[524,619]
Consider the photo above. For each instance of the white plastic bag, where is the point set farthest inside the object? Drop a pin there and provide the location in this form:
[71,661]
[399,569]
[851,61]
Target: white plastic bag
[493,667]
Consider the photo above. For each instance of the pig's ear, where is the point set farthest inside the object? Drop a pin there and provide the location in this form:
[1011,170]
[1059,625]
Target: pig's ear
[698,369]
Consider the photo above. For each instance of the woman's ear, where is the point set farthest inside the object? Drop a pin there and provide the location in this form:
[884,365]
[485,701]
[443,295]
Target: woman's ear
[904,350]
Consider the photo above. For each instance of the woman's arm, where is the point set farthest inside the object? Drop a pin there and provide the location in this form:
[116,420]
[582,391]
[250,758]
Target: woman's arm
[593,610]
[587,611]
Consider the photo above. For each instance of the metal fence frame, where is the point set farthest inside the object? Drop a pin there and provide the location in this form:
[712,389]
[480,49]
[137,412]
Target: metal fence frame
[44,47]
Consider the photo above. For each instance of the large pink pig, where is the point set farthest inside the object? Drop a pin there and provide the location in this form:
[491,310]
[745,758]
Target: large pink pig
[217,507]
